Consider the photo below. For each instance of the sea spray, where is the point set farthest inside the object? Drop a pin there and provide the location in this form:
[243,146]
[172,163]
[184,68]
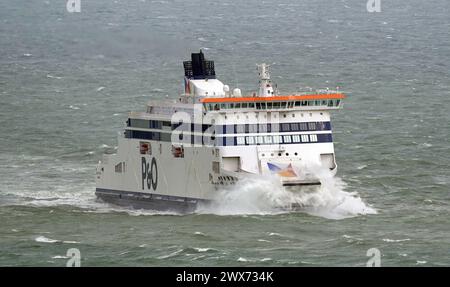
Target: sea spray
[266,195]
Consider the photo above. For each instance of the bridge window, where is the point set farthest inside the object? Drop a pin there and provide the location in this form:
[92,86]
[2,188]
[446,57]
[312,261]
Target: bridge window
[269,105]
[251,105]
[237,106]
[294,127]
[297,103]
[283,105]
[244,105]
[276,105]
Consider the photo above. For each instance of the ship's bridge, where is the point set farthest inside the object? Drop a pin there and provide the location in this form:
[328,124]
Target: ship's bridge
[320,101]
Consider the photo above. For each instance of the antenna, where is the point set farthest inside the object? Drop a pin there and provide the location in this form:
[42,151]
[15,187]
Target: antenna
[236,83]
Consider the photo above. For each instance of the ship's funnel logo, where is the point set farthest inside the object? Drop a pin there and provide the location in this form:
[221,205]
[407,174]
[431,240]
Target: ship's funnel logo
[285,172]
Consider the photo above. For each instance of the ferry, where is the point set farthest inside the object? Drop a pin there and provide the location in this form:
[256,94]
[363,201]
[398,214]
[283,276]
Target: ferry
[180,153]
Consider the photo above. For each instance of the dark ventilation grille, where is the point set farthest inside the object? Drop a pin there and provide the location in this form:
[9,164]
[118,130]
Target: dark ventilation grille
[188,69]
[199,68]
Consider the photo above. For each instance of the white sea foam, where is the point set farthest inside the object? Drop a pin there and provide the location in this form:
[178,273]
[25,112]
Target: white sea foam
[44,239]
[242,259]
[264,240]
[395,240]
[203,249]
[175,253]
[53,77]
[257,195]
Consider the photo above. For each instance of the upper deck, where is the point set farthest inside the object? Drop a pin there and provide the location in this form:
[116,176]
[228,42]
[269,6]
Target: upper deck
[320,101]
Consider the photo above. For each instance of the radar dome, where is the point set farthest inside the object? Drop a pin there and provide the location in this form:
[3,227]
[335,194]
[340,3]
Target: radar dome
[237,92]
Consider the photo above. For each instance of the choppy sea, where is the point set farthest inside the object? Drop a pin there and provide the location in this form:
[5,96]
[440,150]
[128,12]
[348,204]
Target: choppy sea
[68,80]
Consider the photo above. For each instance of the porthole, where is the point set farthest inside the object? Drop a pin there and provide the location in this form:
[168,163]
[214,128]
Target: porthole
[262,155]
[295,153]
[279,154]
[293,115]
[287,154]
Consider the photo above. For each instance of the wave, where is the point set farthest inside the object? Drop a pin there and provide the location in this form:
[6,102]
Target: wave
[43,239]
[256,195]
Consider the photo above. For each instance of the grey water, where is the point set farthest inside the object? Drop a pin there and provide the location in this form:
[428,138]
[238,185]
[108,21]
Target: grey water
[68,80]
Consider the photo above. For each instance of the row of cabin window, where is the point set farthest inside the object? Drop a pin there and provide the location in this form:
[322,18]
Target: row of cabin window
[245,128]
[271,105]
[147,124]
[276,139]
[283,127]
